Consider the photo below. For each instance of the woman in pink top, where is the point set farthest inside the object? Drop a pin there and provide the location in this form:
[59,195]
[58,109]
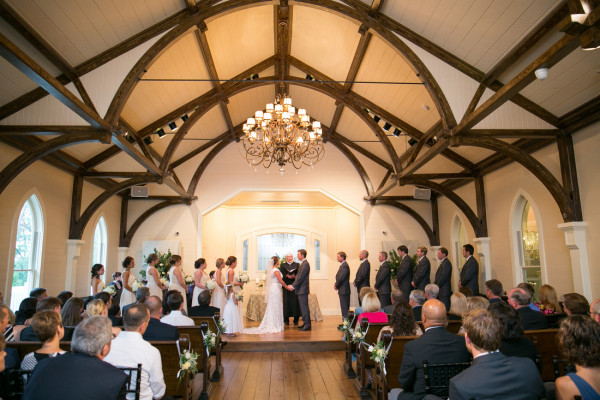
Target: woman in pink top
[371,310]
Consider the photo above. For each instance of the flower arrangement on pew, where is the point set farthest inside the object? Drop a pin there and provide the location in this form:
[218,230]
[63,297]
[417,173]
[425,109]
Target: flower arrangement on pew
[358,336]
[378,354]
[136,285]
[221,326]
[210,340]
[188,364]
[345,329]
[110,289]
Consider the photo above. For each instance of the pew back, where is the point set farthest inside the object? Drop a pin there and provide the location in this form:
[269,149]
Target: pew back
[547,346]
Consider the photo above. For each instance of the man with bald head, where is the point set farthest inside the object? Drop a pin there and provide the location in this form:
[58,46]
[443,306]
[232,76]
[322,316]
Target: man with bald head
[156,329]
[436,345]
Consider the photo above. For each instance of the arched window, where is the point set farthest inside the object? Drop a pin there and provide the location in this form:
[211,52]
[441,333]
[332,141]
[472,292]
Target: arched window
[28,251]
[526,228]
[99,251]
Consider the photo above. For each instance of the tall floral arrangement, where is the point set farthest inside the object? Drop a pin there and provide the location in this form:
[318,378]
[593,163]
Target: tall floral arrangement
[162,266]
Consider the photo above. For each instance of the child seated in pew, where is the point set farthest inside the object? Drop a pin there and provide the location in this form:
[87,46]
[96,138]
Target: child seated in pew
[48,327]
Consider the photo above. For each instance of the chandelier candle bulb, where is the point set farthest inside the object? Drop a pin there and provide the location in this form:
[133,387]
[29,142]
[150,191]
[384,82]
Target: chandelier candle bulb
[278,108]
[301,112]
[258,115]
[287,101]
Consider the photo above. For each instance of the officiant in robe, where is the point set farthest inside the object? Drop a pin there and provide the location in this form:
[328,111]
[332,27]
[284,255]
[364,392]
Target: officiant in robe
[291,306]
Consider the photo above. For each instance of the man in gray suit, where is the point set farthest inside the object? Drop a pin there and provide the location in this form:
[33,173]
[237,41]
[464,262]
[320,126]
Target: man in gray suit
[404,274]
[443,277]
[363,275]
[423,270]
[342,283]
[383,286]
[301,286]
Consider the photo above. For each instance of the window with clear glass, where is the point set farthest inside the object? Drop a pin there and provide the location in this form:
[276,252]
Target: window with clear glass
[28,251]
[277,244]
[528,238]
[99,247]
[317,255]
[245,255]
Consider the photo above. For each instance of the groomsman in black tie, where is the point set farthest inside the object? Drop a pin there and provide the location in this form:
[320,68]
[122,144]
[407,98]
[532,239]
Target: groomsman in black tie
[363,275]
[383,286]
[404,274]
[469,275]
[443,277]
[423,270]
[342,283]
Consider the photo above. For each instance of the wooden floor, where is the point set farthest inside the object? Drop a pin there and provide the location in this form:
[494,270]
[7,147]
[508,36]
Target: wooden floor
[283,375]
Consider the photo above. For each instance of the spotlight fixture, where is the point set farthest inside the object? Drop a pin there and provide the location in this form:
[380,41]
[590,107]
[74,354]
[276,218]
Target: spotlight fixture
[376,118]
[412,142]
[148,140]
[173,126]
[397,132]
[184,118]
[387,126]
[310,77]
[161,133]
[541,73]
[255,76]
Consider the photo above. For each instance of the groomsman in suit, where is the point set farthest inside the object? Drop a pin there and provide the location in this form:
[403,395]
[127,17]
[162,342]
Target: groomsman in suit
[383,286]
[421,276]
[342,283]
[301,286]
[443,277]
[363,275]
[404,274]
[469,275]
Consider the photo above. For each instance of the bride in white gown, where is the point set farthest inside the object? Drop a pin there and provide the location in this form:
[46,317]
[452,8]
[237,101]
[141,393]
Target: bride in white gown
[272,321]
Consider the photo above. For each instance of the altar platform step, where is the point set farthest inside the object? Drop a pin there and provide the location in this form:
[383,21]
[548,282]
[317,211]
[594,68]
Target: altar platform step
[324,336]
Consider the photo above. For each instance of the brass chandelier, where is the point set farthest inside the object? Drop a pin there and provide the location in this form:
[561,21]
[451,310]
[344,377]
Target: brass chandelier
[282,136]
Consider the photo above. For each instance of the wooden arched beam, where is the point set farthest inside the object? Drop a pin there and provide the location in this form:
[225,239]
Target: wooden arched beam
[453,197]
[126,241]
[416,216]
[27,158]
[77,232]
[209,157]
[357,165]
[525,159]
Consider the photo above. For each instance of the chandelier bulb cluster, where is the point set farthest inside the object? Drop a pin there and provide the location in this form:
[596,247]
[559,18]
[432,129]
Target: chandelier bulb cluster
[283,135]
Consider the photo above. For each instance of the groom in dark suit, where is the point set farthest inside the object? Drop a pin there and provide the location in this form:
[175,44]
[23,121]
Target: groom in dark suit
[301,286]
[404,274]
[443,277]
[342,283]
[423,270]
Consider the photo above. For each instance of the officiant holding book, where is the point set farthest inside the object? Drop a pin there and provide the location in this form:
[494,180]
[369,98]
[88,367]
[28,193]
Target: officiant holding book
[291,306]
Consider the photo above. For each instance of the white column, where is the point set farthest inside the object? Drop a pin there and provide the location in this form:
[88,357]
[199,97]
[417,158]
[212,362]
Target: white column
[575,238]
[435,262]
[121,254]
[73,252]
[485,267]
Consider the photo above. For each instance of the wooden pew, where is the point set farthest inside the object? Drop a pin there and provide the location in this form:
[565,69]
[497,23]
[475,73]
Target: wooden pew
[363,357]
[350,348]
[212,325]
[547,346]
[383,383]
[453,326]
[197,345]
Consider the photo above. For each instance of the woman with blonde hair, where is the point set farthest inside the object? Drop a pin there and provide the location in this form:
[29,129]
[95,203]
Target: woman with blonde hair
[548,300]
[218,295]
[477,302]
[371,310]
[48,327]
[458,306]
[96,307]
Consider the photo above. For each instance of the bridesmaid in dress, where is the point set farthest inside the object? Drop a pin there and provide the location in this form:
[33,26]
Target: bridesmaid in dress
[177,282]
[218,295]
[96,284]
[154,284]
[200,279]
[128,295]
[231,314]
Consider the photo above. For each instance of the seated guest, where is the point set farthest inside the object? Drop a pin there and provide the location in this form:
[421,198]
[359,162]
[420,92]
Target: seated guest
[431,291]
[402,322]
[49,329]
[528,287]
[113,314]
[492,375]
[548,301]
[204,309]
[371,310]
[140,297]
[7,320]
[105,297]
[575,304]
[156,329]
[361,295]
[436,345]
[595,310]
[38,293]
[579,342]
[10,357]
[176,317]
[64,296]
[46,304]
[466,291]
[72,312]
[129,349]
[458,306]
[519,299]
[477,302]
[513,341]
[117,282]
[416,301]
[96,307]
[4,378]
[165,305]
[494,291]
[81,374]
[397,297]
[26,310]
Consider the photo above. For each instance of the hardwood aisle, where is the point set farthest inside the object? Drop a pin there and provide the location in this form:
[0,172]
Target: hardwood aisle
[289,375]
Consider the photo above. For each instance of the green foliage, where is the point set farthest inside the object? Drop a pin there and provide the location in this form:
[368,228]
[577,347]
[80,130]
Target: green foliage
[394,262]
[19,278]
[163,264]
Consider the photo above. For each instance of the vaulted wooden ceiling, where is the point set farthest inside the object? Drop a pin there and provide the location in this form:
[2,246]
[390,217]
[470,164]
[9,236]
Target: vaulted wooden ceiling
[463,73]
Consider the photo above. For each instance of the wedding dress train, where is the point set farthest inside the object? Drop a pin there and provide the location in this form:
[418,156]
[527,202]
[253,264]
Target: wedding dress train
[272,321]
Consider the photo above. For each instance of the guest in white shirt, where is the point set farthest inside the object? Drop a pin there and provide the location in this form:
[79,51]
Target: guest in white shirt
[129,349]
[176,317]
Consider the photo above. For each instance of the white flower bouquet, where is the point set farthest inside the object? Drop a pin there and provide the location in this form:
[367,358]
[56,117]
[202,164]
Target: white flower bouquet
[136,285]
[110,289]
[244,278]
[189,279]
[165,282]
[211,285]
[187,364]
[221,326]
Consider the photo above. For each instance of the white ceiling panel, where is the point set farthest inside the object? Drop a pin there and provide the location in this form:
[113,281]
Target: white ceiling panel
[243,105]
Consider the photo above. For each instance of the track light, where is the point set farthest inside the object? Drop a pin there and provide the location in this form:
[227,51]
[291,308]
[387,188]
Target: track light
[173,126]
[184,118]
[397,132]
[310,77]
[255,76]
[387,126]
[412,142]
[376,118]
[148,140]
[161,133]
